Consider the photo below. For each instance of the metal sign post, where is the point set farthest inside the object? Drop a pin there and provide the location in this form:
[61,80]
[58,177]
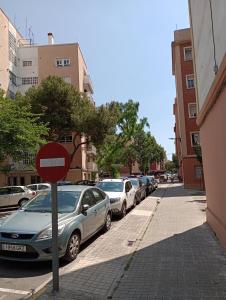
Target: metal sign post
[52,164]
[55,254]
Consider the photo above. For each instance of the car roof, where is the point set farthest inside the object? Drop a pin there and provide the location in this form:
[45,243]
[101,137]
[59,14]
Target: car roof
[113,180]
[10,186]
[71,188]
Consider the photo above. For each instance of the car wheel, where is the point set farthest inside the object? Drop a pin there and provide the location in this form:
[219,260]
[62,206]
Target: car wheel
[135,202]
[107,224]
[123,210]
[138,199]
[22,202]
[73,247]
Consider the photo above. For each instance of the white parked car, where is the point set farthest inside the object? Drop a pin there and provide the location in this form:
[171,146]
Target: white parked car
[39,187]
[121,193]
[15,195]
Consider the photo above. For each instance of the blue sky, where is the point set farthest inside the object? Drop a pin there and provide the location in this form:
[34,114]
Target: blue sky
[126,45]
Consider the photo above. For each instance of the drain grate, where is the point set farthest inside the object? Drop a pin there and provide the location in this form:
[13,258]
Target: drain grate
[130,243]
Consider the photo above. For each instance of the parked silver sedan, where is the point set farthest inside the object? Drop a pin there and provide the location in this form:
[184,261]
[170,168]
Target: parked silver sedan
[27,234]
[15,195]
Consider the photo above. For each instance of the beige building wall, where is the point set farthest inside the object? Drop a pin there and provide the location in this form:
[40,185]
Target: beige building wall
[211,96]
[47,56]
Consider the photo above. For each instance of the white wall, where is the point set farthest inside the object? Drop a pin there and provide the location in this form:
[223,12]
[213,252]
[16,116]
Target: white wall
[203,41]
[28,53]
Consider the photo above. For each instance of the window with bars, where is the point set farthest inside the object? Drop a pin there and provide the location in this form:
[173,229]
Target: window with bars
[187,53]
[12,41]
[29,80]
[28,159]
[190,82]
[27,63]
[12,57]
[192,110]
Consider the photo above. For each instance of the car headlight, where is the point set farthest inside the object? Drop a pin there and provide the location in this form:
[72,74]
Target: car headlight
[113,200]
[47,233]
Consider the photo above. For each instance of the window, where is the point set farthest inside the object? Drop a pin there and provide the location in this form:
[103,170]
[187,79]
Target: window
[67,79]
[128,186]
[35,179]
[88,199]
[190,83]
[187,53]
[27,63]
[4,191]
[16,190]
[97,195]
[198,172]
[28,159]
[30,80]
[12,78]
[66,139]
[62,62]
[192,110]
[195,139]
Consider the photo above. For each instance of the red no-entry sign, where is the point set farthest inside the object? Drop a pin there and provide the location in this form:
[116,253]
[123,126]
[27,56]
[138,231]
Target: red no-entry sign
[52,162]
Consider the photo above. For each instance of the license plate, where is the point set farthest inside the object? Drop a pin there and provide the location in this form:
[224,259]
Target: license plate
[10,247]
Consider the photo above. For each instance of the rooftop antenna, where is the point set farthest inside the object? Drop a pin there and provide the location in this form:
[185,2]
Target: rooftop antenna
[26,27]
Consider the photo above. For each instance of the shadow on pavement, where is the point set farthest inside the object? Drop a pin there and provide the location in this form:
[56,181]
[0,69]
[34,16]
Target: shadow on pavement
[186,265]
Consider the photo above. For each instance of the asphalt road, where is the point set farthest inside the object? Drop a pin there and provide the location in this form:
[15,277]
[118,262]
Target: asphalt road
[19,279]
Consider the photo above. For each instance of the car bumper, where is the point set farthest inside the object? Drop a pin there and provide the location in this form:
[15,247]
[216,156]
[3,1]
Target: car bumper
[40,250]
[116,207]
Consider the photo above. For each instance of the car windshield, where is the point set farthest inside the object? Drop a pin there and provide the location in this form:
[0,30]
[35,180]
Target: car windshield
[67,202]
[134,182]
[111,186]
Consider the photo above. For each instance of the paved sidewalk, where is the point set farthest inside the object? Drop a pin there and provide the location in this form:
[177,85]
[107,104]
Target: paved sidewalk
[163,249]
[179,257]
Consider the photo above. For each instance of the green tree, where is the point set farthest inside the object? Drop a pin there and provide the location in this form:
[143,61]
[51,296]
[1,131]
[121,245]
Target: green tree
[21,130]
[67,110]
[170,166]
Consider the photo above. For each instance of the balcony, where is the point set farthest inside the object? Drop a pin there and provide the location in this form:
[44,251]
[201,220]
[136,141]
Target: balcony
[88,84]
[91,150]
[92,167]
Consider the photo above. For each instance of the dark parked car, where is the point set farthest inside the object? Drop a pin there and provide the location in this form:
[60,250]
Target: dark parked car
[148,184]
[139,187]
[86,182]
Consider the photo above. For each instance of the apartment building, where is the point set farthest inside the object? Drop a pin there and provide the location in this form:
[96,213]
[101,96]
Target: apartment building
[24,64]
[208,21]
[185,110]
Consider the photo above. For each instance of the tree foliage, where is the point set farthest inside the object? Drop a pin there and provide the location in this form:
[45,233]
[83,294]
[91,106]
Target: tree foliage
[67,110]
[131,143]
[21,131]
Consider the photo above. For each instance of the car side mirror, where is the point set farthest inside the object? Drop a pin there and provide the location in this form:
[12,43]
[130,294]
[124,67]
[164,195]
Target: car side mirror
[85,207]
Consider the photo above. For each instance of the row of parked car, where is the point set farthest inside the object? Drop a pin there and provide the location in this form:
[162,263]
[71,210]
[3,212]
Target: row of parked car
[83,210]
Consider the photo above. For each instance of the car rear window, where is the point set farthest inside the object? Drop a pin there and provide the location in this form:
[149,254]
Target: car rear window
[67,202]
[110,186]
